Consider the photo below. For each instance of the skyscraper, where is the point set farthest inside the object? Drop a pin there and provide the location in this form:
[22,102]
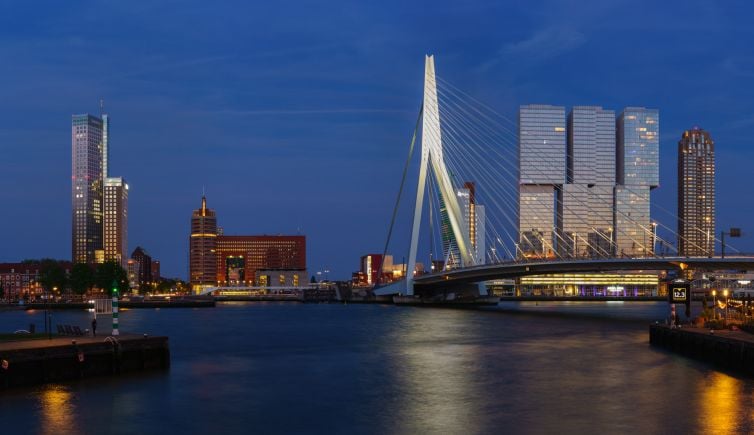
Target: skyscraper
[637,172]
[696,193]
[202,247]
[86,187]
[116,220]
[473,225]
[591,179]
[542,170]
[99,202]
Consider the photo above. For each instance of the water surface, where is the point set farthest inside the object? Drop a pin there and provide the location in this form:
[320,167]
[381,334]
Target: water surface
[331,368]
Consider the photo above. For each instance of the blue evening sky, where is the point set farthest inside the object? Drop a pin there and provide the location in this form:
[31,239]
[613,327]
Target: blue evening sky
[296,116]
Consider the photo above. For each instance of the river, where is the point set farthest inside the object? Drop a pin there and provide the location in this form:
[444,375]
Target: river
[347,369]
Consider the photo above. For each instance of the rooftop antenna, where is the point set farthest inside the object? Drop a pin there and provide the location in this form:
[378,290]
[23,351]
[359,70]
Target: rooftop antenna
[101,106]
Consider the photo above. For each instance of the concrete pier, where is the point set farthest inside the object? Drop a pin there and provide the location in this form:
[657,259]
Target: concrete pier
[38,361]
[733,350]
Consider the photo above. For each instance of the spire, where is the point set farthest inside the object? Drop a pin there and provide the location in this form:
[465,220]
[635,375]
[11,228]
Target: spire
[204,205]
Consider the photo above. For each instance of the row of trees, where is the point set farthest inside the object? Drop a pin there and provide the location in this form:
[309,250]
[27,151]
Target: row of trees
[82,277]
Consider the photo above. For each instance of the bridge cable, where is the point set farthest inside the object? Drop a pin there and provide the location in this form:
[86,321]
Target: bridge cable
[400,191]
[451,88]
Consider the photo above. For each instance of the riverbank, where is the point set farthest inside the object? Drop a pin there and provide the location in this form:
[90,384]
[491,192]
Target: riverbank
[159,303]
[39,361]
[733,350]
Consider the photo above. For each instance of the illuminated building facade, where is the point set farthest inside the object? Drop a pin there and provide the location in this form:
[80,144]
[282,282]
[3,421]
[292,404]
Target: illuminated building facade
[239,258]
[143,265]
[590,183]
[474,225]
[156,276]
[86,187]
[542,171]
[115,222]
[589,284]
[370,265]
[21,280]
[132,271]
[99,202]
[696,193]
[216,259]
[203,248]
[281,278]
[637,172]
[370,268]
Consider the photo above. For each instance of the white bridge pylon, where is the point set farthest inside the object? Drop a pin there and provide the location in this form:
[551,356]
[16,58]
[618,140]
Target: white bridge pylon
[432,158]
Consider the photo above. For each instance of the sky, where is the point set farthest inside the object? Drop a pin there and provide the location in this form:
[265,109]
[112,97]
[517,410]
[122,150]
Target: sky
[295,116]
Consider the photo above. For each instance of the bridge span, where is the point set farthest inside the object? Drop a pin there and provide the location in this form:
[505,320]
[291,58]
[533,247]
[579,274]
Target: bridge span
[456,278]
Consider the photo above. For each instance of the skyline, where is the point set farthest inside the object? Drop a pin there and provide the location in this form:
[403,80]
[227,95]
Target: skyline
[333,117]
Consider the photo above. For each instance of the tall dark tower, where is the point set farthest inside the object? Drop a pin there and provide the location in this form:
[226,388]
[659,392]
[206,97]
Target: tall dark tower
[202,247]
[696,193]
[86,188]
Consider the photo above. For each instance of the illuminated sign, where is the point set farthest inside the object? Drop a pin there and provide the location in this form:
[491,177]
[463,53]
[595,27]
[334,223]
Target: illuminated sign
[679,293]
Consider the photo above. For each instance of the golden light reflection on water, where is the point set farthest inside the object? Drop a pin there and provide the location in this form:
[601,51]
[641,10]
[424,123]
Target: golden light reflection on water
[438,384]
[57,410]
[720,405]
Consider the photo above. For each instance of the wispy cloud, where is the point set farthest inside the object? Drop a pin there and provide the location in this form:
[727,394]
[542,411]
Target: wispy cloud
[540,47]
[744,122]
[739,66]
[335,111]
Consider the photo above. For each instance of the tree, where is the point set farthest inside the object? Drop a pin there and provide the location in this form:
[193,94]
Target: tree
[2,291]
[51,275]
[313,280]
[108,272]
[82,278]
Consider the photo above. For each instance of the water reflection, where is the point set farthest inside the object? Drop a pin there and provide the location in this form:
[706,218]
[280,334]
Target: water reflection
[720,408]
[57,410]
[438,384]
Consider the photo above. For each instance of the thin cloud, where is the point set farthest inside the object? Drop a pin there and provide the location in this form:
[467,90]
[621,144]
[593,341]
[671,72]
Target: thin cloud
[540,47]
[256,112]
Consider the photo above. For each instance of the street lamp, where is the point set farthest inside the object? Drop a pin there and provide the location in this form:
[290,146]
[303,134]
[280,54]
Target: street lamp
[714,304]
[725,293]
[734,232]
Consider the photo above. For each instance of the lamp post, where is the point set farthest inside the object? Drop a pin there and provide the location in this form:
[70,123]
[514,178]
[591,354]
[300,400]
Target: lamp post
[725,293]
[115,308]
[734,232]
[48,313]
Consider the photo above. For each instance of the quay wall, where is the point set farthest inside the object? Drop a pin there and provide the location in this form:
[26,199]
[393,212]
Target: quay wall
[25,366]
[718,348]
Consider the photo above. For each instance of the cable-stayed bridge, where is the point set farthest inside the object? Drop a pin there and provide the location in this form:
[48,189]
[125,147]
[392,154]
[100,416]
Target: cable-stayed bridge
[469,194]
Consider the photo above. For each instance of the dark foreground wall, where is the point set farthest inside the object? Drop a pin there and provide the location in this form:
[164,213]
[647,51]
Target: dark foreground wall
[87,358]
[722,348]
